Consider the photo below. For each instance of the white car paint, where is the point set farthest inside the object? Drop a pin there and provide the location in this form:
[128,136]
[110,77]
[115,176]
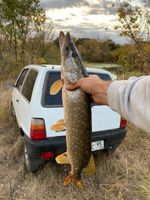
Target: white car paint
[103,118]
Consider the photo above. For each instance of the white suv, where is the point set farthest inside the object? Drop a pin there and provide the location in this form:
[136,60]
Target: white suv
[36,111]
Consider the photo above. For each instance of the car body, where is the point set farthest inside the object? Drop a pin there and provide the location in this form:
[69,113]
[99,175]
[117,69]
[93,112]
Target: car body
[36,111]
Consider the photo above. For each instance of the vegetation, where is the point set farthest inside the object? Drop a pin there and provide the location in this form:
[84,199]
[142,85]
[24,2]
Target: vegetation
[96,49]
[134,23]
[27,37]
[19,19]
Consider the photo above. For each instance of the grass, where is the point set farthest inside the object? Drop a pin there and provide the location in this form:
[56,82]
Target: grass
[125,175]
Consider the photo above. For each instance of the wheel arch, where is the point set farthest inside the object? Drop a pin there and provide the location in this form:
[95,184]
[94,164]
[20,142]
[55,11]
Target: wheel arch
[21,132]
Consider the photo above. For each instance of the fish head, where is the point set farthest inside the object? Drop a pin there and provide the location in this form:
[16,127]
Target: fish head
[72,68]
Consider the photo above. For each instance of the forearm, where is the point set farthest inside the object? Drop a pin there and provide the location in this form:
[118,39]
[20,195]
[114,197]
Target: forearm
[131,99]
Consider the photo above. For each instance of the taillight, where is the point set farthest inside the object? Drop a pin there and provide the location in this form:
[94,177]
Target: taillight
[123,123]
[47,155]
[37,131]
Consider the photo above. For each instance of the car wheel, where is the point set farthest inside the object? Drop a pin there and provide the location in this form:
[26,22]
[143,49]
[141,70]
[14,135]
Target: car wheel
[12,110]
[30,164]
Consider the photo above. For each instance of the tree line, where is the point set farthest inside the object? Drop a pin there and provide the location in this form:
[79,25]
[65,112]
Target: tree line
[26,38]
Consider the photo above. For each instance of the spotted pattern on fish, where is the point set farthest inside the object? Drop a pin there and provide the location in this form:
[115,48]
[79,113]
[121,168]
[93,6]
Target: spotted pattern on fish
[77,115]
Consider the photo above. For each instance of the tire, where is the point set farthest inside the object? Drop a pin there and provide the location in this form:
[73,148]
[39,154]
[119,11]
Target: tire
[30,164]
[13,110]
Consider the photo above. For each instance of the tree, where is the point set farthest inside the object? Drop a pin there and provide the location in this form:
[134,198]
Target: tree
[18,19]
[134,23]
[96,49]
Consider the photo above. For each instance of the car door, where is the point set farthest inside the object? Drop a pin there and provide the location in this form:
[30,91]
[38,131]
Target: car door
[17,92]
[25,100]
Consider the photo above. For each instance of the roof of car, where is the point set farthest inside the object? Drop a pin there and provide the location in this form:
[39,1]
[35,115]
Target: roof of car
[57,67]
[52,66]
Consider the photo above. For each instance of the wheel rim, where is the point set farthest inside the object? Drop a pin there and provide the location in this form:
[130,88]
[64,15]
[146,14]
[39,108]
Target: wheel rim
[26,156]
[13,111]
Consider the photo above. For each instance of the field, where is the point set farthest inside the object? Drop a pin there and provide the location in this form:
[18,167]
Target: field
[125,175]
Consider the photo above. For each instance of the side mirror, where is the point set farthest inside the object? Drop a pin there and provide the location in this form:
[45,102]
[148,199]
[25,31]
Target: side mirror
[9,85]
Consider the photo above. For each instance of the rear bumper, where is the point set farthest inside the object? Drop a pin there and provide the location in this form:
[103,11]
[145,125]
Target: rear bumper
[58,144]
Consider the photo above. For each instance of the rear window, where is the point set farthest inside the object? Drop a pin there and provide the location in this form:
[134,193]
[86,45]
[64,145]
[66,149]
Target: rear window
[51,100]
[56,100]
[104,77]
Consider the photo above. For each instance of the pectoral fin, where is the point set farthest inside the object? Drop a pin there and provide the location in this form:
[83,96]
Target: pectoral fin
[62,158]
[58,127]
[68,179]
[90,168]
[56,86]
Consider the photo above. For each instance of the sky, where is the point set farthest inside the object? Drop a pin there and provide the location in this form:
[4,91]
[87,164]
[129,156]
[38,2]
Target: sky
[84,18]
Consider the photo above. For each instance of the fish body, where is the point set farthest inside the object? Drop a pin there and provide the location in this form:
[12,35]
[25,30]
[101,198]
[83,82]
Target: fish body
[77,113]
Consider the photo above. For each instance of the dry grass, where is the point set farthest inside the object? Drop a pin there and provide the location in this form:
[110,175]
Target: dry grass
[125,175]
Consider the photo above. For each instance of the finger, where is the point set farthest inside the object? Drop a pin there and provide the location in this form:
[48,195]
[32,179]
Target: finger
[76,85]
[71,87]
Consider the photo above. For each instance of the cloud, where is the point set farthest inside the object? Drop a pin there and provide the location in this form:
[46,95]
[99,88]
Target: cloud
[88,22]
[104,7]
[59,20]
[73,15]
[89,30]
[58,4]
[101,7]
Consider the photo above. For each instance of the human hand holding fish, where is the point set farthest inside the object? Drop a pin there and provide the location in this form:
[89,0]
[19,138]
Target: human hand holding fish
[93,85]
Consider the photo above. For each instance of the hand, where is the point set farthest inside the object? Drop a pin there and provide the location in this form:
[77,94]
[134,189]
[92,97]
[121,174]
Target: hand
[94,86]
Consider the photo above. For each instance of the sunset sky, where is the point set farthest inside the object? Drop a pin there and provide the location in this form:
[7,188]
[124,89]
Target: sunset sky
[84,18]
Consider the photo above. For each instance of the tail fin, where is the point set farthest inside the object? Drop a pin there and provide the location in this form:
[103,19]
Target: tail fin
[90,168]
[78,183]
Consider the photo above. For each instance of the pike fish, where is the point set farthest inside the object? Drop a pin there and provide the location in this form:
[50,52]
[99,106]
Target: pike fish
[77,113]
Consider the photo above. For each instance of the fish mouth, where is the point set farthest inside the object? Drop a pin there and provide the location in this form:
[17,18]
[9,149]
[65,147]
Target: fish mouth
[71,46]
[67,45]
[70,53]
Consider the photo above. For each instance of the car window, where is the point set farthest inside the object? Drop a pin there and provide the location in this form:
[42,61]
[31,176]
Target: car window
[21,79]
[56,100]
[29,84]
[51,100]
